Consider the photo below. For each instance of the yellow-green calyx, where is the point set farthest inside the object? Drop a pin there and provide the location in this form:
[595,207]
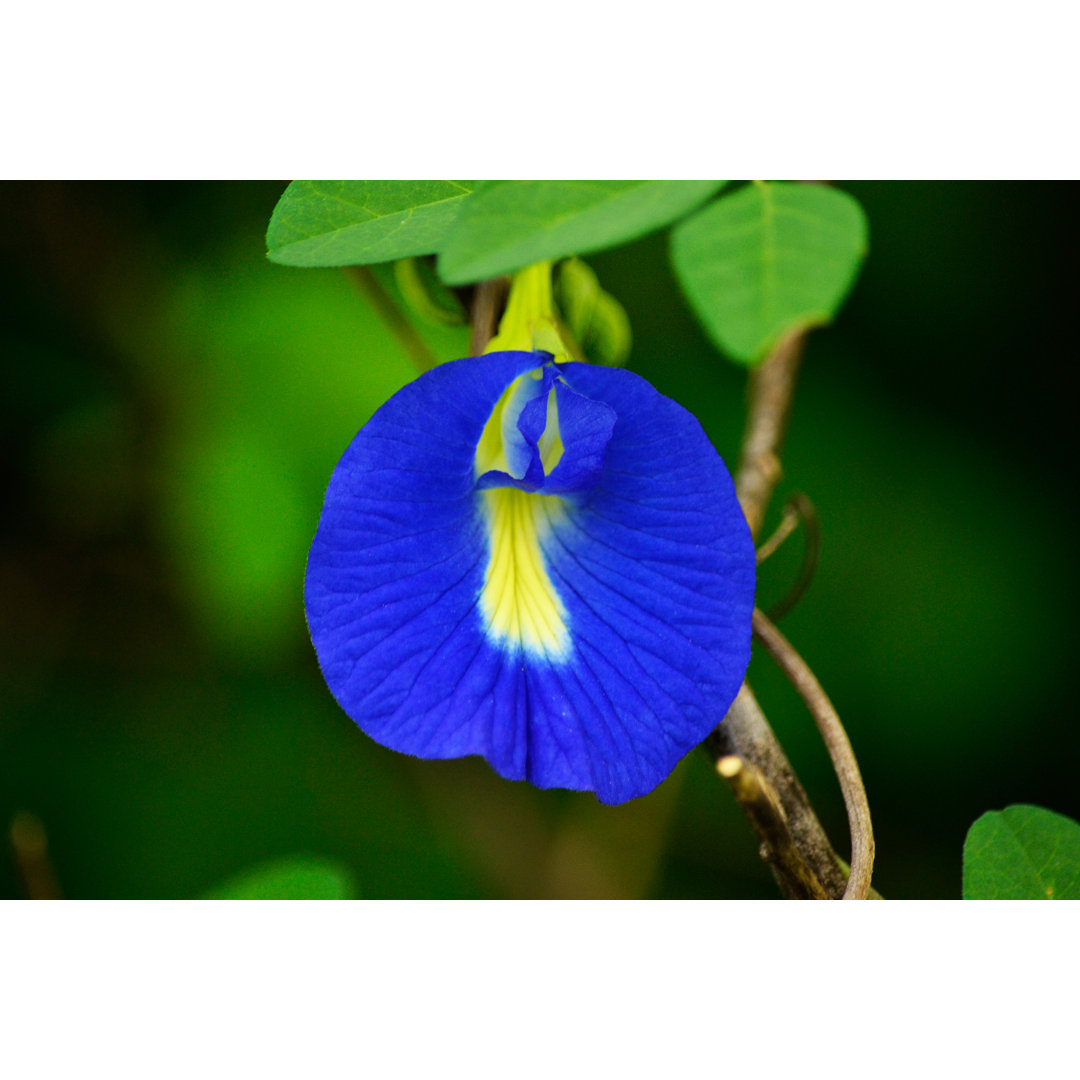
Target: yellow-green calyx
[530,321]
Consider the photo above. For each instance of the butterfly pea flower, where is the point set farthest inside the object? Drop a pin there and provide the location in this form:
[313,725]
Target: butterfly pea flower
[538,561]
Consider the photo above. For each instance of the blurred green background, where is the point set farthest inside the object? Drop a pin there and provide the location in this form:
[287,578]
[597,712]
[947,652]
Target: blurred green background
[173,405]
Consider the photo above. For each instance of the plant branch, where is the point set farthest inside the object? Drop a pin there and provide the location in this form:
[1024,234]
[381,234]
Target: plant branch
[371,289]
[487,308]
[839,747]
[771,387]
[745,732]
[762,807]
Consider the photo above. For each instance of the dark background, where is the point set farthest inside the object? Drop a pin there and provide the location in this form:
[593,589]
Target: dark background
[173,405]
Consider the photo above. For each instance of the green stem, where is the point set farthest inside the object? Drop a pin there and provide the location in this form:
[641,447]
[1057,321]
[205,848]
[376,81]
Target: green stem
[371,289]
[530,320]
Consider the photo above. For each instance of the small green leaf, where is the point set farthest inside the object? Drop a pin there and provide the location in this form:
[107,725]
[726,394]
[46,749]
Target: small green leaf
[508,224]
[356,222]
[1022,853]
[425,295]
[768,260]
[596,319]
[296,878]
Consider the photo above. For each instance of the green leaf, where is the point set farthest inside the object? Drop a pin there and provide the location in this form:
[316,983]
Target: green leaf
[425,295]
[296,878]
[768,260]
[508,224]
[596,319]
[355,222]
[1022,853]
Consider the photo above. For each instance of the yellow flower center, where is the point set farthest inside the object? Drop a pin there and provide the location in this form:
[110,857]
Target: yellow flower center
[518,601]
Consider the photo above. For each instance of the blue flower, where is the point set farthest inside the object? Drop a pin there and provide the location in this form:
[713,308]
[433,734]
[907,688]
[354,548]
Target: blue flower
[541,563]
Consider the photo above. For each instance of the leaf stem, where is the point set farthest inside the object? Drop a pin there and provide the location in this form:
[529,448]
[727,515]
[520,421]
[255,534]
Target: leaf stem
[788,524]
[798,509]
[371,289]
[839,747]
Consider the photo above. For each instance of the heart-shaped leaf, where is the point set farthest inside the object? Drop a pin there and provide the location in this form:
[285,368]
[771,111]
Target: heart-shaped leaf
[767,260]
[1022,853]
[355,222]
[508,224]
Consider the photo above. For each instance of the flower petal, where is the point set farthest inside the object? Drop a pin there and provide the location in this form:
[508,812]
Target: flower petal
[586,639]
[585,427]
[656,569]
